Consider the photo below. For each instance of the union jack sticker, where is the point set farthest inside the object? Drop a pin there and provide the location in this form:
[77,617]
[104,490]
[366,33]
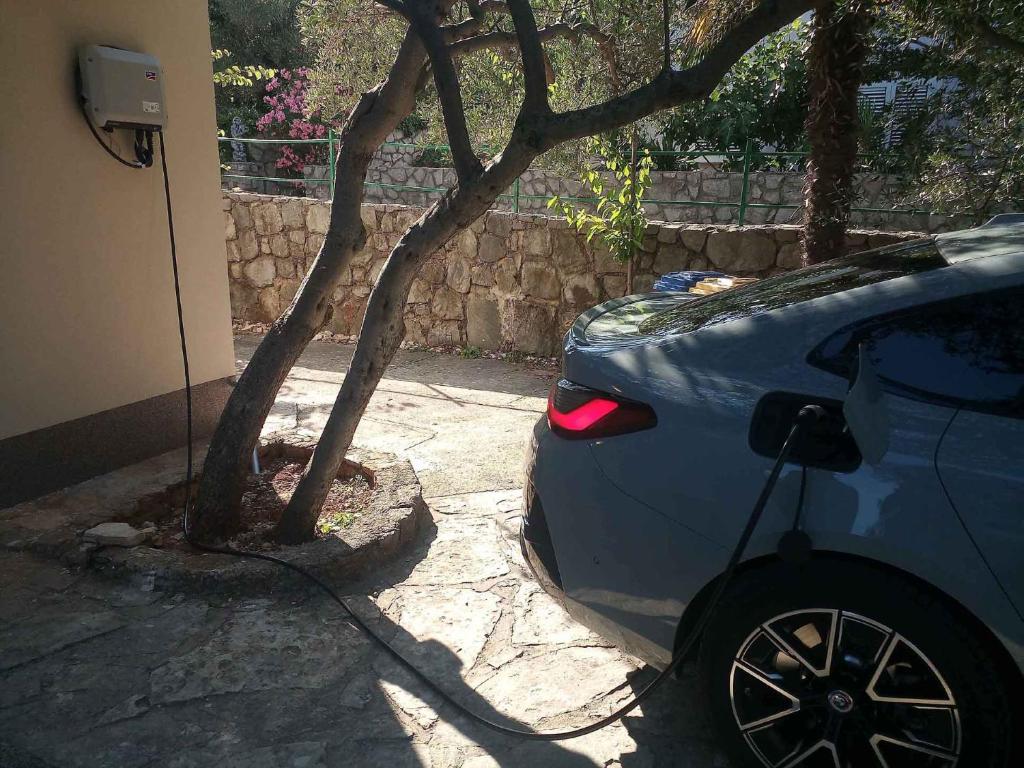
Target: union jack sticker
[150,74]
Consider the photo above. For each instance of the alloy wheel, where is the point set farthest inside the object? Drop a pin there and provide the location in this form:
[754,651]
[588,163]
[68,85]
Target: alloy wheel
[824,688]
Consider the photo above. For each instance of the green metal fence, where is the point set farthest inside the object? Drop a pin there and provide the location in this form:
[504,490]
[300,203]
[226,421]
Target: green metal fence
[745,159]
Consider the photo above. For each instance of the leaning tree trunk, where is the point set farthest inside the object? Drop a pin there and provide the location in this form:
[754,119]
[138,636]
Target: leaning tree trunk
[378,112]
[835,61]
[382,331]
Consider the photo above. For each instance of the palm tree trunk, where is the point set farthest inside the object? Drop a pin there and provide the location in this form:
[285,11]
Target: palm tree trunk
[839,44]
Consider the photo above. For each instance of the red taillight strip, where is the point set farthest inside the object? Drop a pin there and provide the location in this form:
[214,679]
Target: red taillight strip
[582,418]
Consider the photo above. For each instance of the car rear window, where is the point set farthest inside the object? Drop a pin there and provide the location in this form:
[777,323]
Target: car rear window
[800,285]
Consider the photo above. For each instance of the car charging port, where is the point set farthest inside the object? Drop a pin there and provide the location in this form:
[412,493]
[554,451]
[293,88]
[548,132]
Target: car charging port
[825,442]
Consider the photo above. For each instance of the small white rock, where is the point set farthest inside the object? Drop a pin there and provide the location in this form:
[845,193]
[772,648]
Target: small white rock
[115,535]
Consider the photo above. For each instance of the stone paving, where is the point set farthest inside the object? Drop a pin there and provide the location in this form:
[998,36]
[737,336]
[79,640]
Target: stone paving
[96,672]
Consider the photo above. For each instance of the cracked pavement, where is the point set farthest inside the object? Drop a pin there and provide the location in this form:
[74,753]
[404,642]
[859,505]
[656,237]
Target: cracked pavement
[95,672]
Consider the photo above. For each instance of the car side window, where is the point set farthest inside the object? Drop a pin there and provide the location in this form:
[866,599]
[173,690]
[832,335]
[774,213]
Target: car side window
[965,352]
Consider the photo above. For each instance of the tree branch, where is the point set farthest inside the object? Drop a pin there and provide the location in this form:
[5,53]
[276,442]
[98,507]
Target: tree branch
[673,87]
[449,94]
[993,38]
[535,78]
[395,5]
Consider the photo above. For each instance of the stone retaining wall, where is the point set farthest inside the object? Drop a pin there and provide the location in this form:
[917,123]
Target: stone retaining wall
[509,282]
[393,175]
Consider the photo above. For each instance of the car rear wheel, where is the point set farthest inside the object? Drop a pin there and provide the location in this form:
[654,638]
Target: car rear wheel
[837,664]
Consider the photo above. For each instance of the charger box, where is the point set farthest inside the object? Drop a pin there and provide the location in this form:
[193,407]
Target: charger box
[122,89]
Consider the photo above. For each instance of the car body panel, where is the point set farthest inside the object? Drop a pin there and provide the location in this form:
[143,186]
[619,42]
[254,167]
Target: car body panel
[981,463]
[642,522]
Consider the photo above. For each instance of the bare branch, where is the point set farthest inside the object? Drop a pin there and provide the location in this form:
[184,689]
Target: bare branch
[449,94]
[535,79]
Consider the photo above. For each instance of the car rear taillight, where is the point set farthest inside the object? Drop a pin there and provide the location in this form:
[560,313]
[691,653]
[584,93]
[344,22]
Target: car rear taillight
[581,413]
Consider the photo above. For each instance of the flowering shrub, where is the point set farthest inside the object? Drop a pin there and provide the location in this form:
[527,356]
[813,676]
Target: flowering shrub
[289,118]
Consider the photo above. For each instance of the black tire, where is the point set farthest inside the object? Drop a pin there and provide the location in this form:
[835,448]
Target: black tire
[853,701]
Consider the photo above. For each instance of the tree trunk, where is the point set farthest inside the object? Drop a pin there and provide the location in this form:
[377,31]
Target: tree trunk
[835,60]
[378,112]
[382,331]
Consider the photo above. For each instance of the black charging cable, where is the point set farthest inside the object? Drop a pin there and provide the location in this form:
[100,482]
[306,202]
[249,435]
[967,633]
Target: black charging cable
[806,417]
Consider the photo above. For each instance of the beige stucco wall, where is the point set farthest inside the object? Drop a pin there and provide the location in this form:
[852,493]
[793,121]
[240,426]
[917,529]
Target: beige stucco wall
[87,316]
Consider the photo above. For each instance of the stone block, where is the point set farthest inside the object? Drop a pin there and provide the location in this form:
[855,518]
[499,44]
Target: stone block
[420,292]
[444,334]
[279,245]
[715,188]
[530,328]
[243,299]
[292,214]
[433,271]
[742,251]
[482,274]
[499,224]
[117,535]
[465,243]
[232,251]
[369,218]
[297,236]
[668,234]
[285,268]
[405,218]
[581,291]
[537,242]
[270,304]
[318,218]
[230,232]
[604,261]
[348,314]
[242,216]
[670,258]
[261,271]
[567,251]
[287,291]
[267,218]
[506,277]
[693,239]
[789,256]
[540,281]
[313,244]
[458,278]
[248,245]
[614,286]
[492,248]
[446,304]
[643,283]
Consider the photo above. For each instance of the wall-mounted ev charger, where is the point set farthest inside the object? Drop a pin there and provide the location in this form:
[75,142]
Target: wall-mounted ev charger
[122,89]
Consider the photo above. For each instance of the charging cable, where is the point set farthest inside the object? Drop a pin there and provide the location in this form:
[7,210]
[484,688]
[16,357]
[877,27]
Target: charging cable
[807,416]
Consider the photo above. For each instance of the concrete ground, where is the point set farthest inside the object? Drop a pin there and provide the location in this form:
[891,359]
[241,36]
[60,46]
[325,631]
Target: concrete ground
[101,673]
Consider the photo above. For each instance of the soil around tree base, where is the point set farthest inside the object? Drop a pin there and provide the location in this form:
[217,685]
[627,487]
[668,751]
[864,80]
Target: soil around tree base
[389,522]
